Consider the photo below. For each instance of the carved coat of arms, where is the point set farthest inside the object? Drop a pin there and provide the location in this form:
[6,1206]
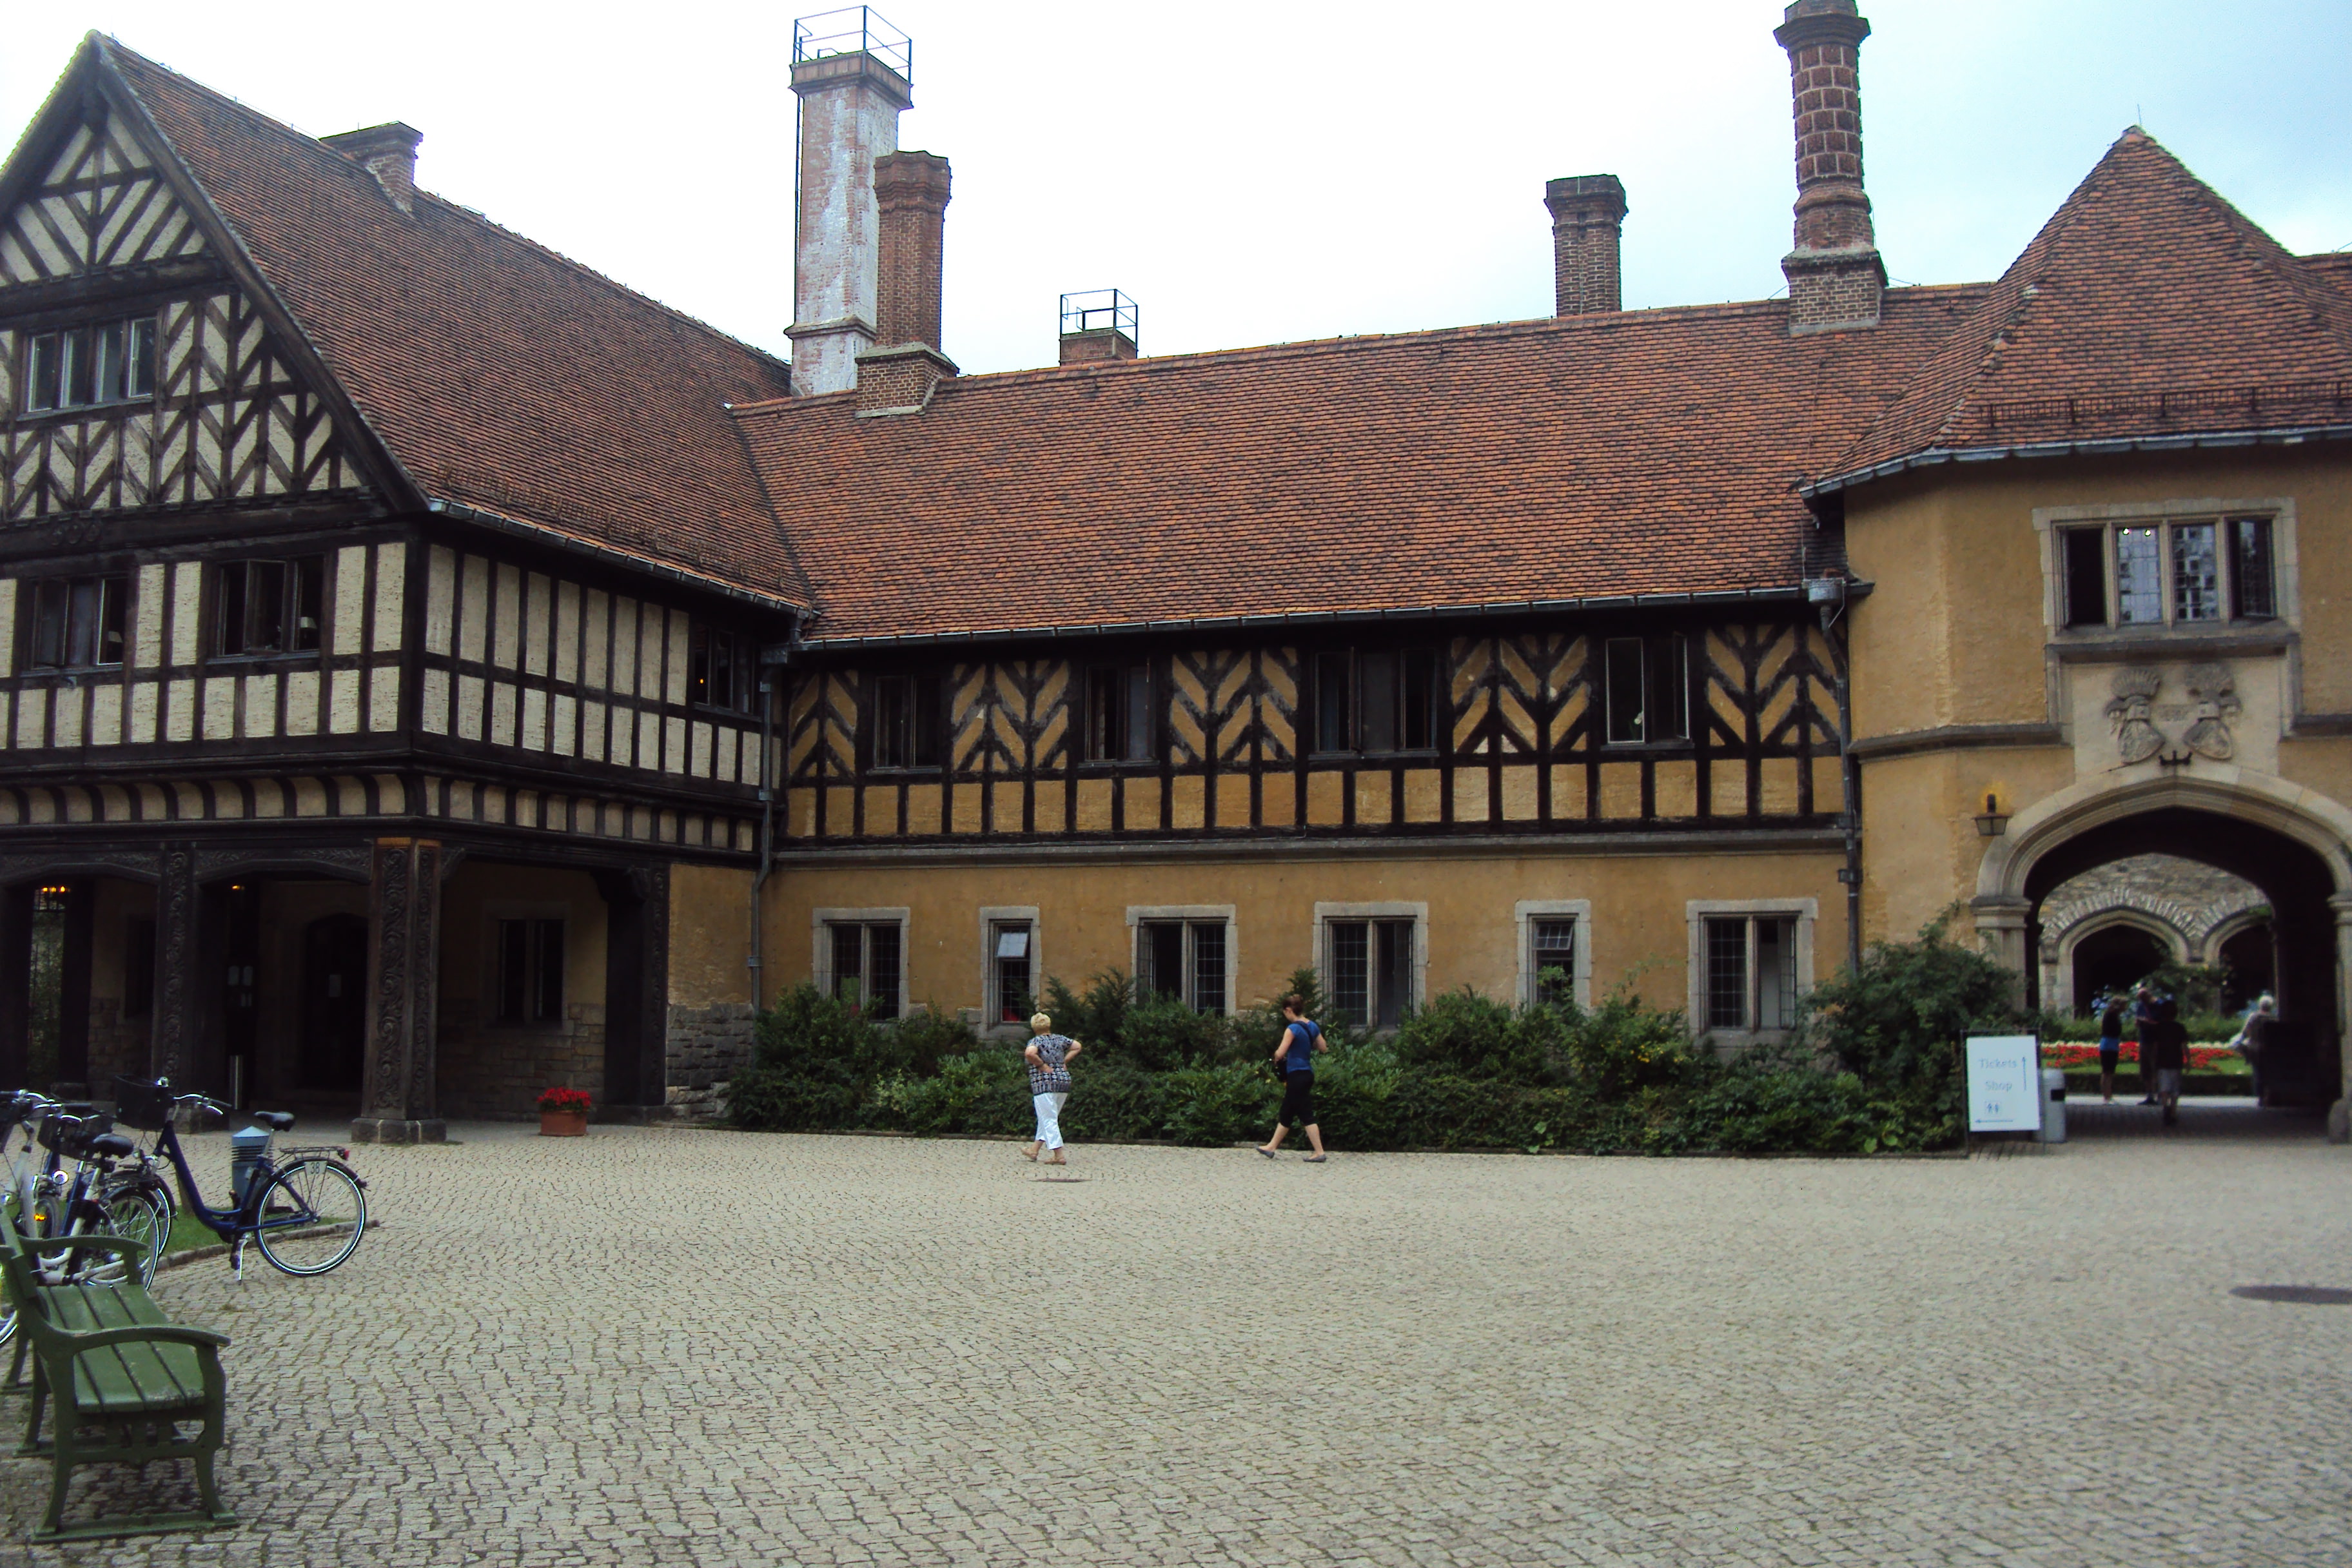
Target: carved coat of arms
[2213,707]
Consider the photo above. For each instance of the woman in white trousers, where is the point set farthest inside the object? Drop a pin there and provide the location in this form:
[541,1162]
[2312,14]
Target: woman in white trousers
[1049,1056]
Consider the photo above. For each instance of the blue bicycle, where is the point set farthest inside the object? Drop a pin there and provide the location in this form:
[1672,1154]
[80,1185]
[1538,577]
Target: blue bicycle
[303,1207]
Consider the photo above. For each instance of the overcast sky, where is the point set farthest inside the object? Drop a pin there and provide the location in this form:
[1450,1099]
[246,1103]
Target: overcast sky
[1270,173]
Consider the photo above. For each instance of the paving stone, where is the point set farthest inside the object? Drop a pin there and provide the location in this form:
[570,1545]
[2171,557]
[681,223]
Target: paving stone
[669,1345]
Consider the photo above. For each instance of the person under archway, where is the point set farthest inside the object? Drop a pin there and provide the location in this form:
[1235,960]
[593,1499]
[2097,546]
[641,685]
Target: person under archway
[2111,1044]
[2163,1050]
[2254,1037]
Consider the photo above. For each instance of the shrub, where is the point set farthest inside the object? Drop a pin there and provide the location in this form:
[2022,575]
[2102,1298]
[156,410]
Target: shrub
[1896,1023]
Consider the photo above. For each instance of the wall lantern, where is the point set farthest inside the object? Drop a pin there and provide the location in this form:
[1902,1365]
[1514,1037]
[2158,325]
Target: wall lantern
[1992,822]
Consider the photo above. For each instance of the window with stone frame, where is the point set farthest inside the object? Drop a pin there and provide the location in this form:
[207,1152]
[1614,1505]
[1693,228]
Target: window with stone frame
[1751,972]
[1185,959]
[2184,570]
[868,965]
[1011,971]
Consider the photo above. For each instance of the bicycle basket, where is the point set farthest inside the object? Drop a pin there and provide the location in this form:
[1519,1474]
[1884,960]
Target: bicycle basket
[144,1105]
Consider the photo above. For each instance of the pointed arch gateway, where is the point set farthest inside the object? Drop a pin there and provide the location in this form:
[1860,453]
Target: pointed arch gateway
[2294,843]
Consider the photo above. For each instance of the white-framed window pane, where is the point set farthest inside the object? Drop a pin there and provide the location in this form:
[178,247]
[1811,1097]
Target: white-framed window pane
[1623,676]
[2196,573]
[2139,576]
[1012,999]
[1208,966]
[1351,970]
[849,962]
[1776,974]
[142,358]
[1391,971]
[1552,959]
[2252,582]
[44,372]
[882,945]
[1726,974]
[1159,958]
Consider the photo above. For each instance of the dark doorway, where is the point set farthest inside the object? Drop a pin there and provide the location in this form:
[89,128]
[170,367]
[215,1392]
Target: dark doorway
[2305,1070]
[2248,967]
[241,956]
[334,996]
[2110,962]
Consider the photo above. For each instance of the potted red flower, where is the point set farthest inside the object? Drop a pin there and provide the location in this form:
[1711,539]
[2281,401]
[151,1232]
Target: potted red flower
[563,1112]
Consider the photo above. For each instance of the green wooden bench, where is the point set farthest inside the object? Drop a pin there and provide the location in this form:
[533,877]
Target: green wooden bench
[124,1379]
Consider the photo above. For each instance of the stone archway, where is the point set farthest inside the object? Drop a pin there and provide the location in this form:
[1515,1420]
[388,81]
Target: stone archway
[2078,972]
[2294,843]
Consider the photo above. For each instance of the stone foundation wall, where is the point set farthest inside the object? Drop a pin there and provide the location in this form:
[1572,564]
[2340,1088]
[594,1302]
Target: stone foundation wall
[708,1046]
[495,1072]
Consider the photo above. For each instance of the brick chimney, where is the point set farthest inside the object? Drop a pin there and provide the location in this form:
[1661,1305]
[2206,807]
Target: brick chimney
[849,107]
[1588,213]
[1099,324]
[911,189]
[1836,276]
[387,152]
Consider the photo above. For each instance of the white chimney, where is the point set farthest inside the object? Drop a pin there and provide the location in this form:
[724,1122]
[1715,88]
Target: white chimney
[853,85]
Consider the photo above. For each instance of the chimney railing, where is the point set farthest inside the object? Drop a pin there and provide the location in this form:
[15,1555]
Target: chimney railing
[853,30]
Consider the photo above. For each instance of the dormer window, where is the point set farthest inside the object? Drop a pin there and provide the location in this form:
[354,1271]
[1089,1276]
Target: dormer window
[86,366]
[2178,572]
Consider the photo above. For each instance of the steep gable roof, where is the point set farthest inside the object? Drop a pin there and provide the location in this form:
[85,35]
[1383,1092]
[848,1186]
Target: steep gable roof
[2147,306]
[497,373]
[1642,453]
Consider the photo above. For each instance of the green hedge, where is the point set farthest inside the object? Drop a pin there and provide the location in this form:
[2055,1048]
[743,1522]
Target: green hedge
[1876,1070]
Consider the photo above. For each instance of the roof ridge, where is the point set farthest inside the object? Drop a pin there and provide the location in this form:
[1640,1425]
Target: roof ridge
[1357,342]
[314,143]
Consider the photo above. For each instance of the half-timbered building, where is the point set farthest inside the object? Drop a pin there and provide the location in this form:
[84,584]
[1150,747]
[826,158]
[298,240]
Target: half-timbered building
[394,612]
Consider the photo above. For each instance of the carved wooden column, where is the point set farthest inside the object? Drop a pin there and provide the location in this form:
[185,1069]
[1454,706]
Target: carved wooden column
[397,1095]
[181,994]
[636,990]
[15,984]
[73,989]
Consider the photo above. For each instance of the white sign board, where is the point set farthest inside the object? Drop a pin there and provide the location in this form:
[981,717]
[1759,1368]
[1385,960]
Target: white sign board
[2004,1083]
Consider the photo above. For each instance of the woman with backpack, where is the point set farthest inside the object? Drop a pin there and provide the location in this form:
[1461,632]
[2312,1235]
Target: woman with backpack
[1294,1058]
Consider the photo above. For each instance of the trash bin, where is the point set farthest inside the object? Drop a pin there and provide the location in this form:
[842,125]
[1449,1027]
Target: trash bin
[2053,1105]
[244,1151]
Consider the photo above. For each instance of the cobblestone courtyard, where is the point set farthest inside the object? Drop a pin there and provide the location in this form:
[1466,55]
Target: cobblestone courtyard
[678,1346]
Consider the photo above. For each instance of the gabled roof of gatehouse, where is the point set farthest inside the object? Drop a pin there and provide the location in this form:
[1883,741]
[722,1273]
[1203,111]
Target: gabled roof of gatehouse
[2146,308]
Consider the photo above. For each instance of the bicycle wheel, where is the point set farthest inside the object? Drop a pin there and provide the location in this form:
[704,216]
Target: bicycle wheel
[139,1214]
[313,1212]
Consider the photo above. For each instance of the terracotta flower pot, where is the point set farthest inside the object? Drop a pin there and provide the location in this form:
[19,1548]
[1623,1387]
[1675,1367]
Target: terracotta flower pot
[562,1123]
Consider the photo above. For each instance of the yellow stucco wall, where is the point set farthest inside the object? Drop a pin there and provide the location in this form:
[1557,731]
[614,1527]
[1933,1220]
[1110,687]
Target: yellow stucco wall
[710,935]
[1954,633]
[1639,928]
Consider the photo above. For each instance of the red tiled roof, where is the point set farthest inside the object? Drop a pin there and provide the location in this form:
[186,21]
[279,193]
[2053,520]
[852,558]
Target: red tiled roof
[2333,266]
[496,373]
[1647,452]
[2147,306]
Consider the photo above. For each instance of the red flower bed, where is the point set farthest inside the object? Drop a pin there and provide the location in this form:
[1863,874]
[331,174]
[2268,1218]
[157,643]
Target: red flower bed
[2077,1054]
[565,1101]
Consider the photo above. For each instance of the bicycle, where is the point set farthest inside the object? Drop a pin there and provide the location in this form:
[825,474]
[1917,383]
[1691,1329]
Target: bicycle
[45,1203]
[303,1207]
